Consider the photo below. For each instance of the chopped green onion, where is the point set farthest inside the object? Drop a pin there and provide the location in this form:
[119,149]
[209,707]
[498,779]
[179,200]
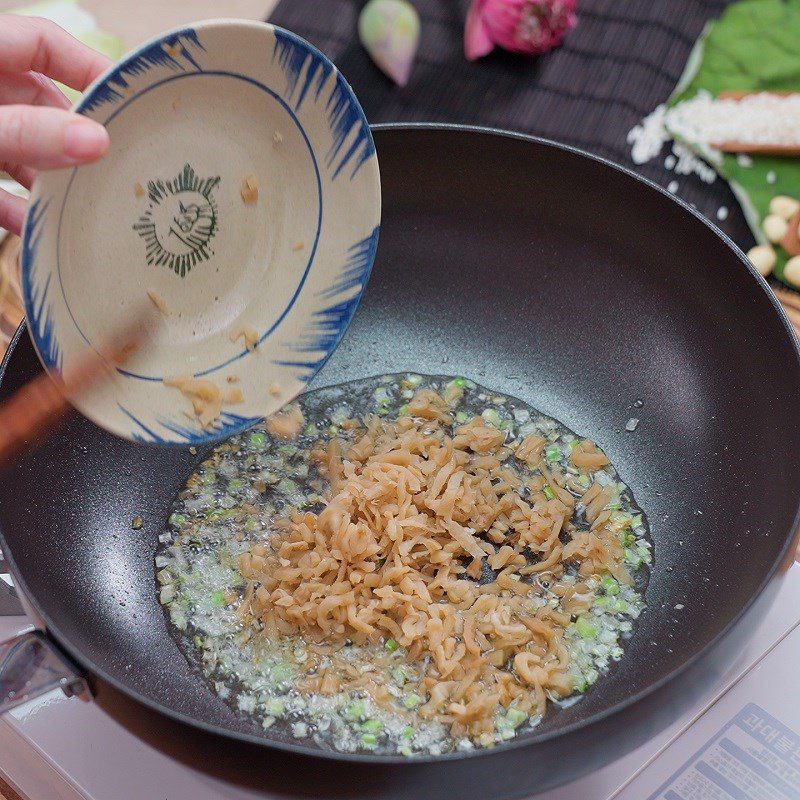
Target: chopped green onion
[164,576]
[408,732]
[622,606]
[235,484]
[356,710]
[208,477]
[399,675]
[515,717]
[287,450]
[412,701]
[275,707]
[167,594]
[585,628]
[584,481]
[548,492]
[553,453]
[633,558]
[405,751]
[310,430]
[218,599]
[287,487]
[636,521]
[581,685]
[391,645]
[610,586]
[462,417]
[251,524]
[369,741]
[573,444]
[492,417]
[459,382]
[177,520]
[614,505]
[628,538]
[281,673]
[372,726]
[258,440]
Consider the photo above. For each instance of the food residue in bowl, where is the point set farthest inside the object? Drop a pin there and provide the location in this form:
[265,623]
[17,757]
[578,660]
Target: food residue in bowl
[158,301]
[249,190]
[233,396]
[426,568]
[206,397]
[249,335]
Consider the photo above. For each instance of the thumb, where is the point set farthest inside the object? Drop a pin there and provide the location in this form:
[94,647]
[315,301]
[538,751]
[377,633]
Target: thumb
[48,138]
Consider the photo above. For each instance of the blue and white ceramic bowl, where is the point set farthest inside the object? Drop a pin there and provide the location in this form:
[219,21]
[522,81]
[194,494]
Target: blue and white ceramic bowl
[198,119]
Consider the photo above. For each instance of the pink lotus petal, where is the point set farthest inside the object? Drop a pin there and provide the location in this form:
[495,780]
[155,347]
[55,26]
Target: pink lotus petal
[477,41]
[521,26]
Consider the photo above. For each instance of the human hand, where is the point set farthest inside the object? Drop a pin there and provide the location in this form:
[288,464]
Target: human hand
[37,131]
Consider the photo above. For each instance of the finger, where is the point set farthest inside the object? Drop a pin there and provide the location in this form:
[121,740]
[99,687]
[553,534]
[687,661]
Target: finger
[38,45]
[48,138]
[21,174]
[31,89]
[12,212]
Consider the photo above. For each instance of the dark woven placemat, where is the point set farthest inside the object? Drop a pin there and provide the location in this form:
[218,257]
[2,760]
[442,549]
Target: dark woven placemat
[622,60]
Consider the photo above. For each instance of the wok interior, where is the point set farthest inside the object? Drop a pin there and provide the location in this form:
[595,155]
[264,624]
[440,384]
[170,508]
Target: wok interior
[537,272]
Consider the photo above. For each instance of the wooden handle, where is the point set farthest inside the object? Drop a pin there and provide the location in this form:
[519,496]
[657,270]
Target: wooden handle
[784,150]
[37,407]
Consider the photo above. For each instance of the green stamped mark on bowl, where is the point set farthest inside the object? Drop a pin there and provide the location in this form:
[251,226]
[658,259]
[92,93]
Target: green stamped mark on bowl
[180,221]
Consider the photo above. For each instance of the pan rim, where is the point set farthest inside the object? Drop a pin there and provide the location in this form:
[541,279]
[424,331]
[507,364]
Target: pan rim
[790,542]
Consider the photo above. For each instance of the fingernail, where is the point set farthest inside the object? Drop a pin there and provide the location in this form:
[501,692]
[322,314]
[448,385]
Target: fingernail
[84,140]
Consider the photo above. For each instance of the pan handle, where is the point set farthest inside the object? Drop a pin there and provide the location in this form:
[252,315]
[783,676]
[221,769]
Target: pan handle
[30,666]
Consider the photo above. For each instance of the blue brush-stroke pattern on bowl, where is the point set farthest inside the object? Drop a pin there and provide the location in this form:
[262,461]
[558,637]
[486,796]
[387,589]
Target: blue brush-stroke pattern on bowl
[153,55]
[40,315]
[344,116]
[227,425]
[331,321]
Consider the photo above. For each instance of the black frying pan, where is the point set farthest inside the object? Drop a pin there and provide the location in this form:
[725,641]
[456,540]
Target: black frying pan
[554,277]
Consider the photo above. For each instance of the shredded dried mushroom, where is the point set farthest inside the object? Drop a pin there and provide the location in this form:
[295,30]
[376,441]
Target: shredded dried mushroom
[434,566]
[394,549]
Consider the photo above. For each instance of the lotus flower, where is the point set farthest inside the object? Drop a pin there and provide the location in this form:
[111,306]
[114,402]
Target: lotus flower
[521,26]
[389,32]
